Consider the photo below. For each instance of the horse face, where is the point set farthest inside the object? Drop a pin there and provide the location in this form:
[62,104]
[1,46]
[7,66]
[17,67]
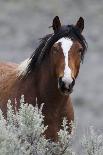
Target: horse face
[67,58]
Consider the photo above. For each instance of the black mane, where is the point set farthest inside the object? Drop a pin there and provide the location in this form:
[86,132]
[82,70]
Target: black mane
[47,42]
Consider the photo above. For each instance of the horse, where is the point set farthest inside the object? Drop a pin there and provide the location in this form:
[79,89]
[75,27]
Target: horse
[48,75]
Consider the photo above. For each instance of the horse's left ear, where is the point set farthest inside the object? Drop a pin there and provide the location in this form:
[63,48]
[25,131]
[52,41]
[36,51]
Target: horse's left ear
[56,24]
[80,24]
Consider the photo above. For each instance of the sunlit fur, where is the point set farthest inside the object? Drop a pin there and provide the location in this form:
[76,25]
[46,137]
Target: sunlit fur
[23,67]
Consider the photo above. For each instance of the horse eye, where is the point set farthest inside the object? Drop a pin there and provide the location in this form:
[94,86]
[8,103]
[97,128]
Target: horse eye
[80,51]
[55,50]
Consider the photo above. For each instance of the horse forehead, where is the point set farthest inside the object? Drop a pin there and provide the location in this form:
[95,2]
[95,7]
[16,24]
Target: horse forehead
[66,44]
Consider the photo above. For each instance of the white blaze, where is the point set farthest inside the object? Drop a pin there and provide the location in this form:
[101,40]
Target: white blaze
[66,44]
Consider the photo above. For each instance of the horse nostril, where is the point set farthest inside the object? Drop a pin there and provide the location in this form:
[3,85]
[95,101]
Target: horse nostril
[61,83]
[72,84]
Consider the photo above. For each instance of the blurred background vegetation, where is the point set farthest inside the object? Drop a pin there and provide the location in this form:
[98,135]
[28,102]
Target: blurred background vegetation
[23,22]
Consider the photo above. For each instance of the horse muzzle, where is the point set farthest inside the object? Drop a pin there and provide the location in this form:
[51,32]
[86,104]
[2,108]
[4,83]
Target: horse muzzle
[65,88]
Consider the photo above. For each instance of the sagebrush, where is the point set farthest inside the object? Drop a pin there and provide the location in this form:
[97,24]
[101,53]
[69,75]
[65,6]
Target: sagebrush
[22,134]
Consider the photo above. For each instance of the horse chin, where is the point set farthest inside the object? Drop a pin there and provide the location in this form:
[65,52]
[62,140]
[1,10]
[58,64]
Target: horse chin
[65,91]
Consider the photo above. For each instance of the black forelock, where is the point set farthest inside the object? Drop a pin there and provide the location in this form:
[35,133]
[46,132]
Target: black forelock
[47,42]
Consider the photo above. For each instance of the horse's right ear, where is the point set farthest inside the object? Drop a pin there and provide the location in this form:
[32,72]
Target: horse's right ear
[56,24]
[80,24]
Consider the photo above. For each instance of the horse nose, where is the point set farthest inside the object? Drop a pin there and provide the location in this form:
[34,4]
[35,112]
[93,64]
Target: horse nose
[65,85]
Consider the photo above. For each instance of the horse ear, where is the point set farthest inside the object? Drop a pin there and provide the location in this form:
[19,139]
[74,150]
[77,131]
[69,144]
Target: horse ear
[56,24]
[80,24]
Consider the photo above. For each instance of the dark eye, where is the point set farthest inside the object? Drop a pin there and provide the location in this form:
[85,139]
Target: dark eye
[80,51]
[55,50]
